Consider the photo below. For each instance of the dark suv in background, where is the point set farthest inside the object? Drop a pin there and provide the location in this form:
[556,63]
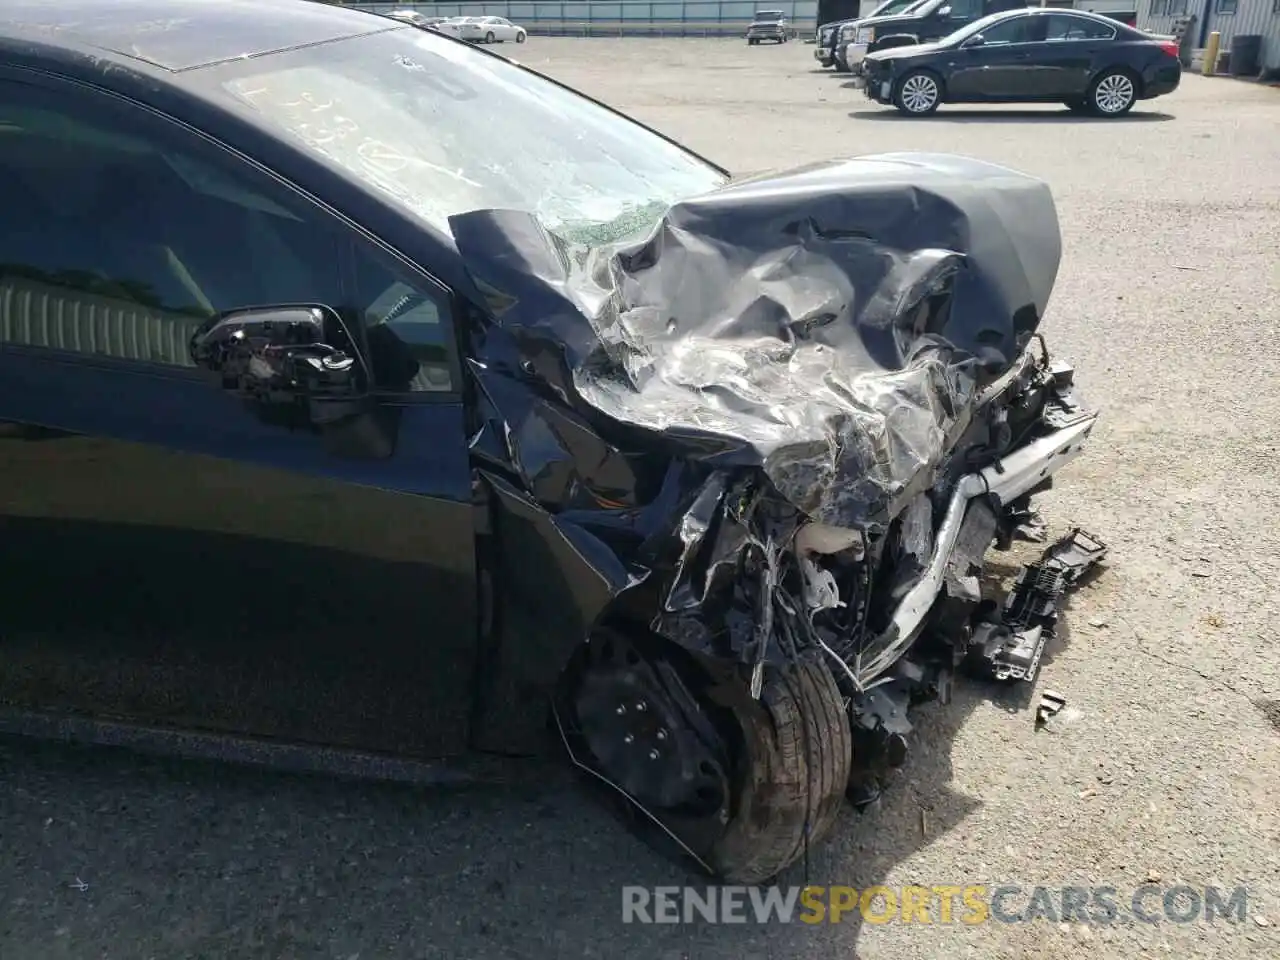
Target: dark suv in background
[828,33]
[920,22]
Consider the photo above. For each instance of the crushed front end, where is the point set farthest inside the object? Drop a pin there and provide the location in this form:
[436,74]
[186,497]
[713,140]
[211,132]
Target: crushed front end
[833,382]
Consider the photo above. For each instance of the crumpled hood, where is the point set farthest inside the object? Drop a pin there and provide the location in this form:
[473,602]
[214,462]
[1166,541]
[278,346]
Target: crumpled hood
[830,325]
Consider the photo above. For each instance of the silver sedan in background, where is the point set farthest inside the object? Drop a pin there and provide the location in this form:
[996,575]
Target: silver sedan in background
[415,18]
[486,29]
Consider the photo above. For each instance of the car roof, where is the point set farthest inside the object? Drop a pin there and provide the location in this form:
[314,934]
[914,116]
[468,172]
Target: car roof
[1055,11]
[179,35]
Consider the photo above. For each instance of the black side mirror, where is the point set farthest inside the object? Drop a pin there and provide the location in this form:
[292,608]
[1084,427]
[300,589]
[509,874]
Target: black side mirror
[292,364]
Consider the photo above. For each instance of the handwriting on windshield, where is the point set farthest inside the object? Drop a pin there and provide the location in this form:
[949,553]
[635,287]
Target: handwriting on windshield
[316,119]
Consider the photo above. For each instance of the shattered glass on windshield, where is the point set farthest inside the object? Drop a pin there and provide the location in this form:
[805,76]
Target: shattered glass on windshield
[443,131]
[832,325]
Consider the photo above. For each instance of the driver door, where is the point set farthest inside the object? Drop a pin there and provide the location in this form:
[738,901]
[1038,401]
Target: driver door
[170,558]
[1002,67]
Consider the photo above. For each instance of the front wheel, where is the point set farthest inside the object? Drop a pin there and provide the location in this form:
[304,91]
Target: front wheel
[489,37]
[745,784]
[1113,93]
[796,760]
[918,93]
[519,38]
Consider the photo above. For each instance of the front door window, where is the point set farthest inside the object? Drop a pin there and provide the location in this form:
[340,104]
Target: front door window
[118,244]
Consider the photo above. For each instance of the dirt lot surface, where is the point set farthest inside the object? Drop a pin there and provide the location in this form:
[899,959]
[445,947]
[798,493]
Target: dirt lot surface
[1167,771]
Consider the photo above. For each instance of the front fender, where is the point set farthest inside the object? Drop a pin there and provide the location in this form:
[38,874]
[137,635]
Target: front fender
[552,581]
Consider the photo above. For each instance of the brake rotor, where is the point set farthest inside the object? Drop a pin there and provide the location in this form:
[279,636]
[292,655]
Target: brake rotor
[640,739]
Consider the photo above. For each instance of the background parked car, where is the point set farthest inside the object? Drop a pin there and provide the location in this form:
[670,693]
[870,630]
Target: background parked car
[846,35]
[489,30]
[417,19]
[925,22]
[449,25]
[1089,62]
[769,25]
[828,33]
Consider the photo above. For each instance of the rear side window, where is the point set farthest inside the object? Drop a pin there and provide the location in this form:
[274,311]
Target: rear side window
[1063,27]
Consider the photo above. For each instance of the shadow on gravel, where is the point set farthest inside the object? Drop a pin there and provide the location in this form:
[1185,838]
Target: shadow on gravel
[110,852]
[945,115]
[113,853]
[1271,710]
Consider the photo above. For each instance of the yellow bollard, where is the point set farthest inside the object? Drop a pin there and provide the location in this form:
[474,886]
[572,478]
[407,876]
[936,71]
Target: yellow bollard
[1210,65]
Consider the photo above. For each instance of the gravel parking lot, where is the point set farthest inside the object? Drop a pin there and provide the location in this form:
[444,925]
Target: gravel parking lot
[1168,771]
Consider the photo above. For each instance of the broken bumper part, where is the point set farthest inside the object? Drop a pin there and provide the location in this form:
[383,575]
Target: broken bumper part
[1003,482]
[1012,648]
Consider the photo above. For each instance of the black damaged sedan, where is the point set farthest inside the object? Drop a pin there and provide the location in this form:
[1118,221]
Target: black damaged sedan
[332,417]
[1091,63]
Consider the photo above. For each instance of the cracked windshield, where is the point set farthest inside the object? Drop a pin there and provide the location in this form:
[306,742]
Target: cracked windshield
[445,130]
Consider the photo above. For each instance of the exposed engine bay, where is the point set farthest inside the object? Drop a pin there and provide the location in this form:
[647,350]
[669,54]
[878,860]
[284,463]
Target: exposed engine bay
[784,428]
[895,612]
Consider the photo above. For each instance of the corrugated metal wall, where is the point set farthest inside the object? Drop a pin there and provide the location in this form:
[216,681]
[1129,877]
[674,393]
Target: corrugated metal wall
[1250,17]
[640,17]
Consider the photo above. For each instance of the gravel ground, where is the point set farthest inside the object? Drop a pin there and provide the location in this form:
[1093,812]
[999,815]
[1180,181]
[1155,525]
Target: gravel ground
[1168,302]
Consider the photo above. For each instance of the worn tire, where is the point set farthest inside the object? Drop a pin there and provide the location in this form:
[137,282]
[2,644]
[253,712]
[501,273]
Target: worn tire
[797,753]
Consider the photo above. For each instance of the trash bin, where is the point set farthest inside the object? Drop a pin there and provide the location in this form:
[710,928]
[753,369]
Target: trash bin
[1246,53]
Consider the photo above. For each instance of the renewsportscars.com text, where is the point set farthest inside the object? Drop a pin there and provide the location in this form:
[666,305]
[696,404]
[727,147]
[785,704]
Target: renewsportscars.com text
[968,904]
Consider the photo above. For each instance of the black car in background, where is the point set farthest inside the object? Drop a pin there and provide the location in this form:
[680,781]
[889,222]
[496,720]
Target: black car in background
[847,52]
[1040,55]
[769,25]
[919,23]
[829,32]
